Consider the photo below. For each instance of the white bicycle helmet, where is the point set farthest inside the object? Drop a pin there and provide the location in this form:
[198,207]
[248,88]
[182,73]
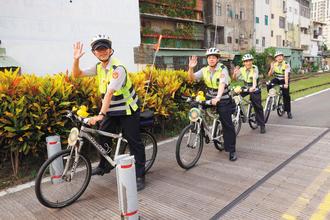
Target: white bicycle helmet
[278,53]
[212,51]
[247,57]
[100,40]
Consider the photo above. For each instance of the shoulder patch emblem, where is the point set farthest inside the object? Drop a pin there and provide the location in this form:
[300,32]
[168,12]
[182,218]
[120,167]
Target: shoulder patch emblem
[115,75]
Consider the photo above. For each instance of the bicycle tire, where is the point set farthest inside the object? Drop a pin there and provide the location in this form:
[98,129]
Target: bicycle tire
[268,107]
[180,160]
[39,180]
[145,135]
[280,107]
[237,123]
[219,145]
[252,118]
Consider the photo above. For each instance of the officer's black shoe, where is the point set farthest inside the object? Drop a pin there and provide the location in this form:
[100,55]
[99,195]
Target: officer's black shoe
[232,156]
[140,183]
[289,115]
[100,171]
[262,129]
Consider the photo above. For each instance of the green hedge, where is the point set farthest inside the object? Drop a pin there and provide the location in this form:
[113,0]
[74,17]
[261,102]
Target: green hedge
[34,107]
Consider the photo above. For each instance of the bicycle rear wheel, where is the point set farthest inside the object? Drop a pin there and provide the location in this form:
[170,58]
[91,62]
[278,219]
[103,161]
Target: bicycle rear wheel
[55,189]
[268,108]
[189,146]
[150,145]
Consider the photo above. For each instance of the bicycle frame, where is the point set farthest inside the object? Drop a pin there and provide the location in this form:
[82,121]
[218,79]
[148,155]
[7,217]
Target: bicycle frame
[275,100]
[209,132]
[85,133]
[241,103]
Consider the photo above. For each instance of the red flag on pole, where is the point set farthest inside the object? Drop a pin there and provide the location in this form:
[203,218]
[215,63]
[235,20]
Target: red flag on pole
[157,46]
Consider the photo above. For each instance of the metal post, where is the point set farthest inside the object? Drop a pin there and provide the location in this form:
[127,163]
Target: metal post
[127,190]
[56,168]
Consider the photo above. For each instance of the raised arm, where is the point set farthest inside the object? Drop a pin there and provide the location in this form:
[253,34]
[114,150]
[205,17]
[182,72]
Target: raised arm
[77,54]
[192,65]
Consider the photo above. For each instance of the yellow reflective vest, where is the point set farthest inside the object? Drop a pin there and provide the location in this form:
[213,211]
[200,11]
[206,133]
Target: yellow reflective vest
[123,100]
[212,81]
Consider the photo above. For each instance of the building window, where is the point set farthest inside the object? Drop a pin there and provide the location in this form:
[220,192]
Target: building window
[257,41]
[219,36]
[257,20]
[236,41]
[283,43]
[266,20]
[263,42]
[218,8]
[272,33]
[229,40]
[282,22]
[267,2]
[241,14]
[230,11]
[272,16]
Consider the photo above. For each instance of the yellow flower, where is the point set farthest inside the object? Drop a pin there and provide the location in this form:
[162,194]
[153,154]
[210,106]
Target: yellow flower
[82,112]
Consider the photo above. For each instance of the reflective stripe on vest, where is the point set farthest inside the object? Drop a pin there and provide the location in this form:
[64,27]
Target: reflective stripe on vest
[124,99]
[213,83]
[280,71]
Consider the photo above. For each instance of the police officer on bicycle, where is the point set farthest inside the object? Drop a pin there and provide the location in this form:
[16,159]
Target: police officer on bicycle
[281,70]
[249,75]
[120,104]
[217,79]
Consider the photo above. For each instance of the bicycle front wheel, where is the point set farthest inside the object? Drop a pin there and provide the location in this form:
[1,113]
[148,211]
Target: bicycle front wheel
[218,137]
[252,118]
[280,106]
[268,108]
[55,189]
[237,120]
[189,146]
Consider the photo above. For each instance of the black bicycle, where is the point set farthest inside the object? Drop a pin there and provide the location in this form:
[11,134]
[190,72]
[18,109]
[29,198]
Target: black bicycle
[64,177]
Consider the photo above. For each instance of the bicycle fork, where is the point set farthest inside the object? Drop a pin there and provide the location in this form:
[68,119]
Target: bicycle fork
[74,151]
[197,127]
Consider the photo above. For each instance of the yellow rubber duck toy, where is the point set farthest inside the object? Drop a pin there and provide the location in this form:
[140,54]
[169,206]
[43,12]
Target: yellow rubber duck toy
[82,112]
[200,96]
[237,89]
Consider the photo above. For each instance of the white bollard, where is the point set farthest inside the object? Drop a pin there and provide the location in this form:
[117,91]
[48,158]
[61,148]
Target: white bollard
[127,191]
[56,168]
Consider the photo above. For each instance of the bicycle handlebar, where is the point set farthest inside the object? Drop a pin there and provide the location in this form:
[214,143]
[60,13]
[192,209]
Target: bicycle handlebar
[203,103]
[75,118]
[245,89]
[273,84]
